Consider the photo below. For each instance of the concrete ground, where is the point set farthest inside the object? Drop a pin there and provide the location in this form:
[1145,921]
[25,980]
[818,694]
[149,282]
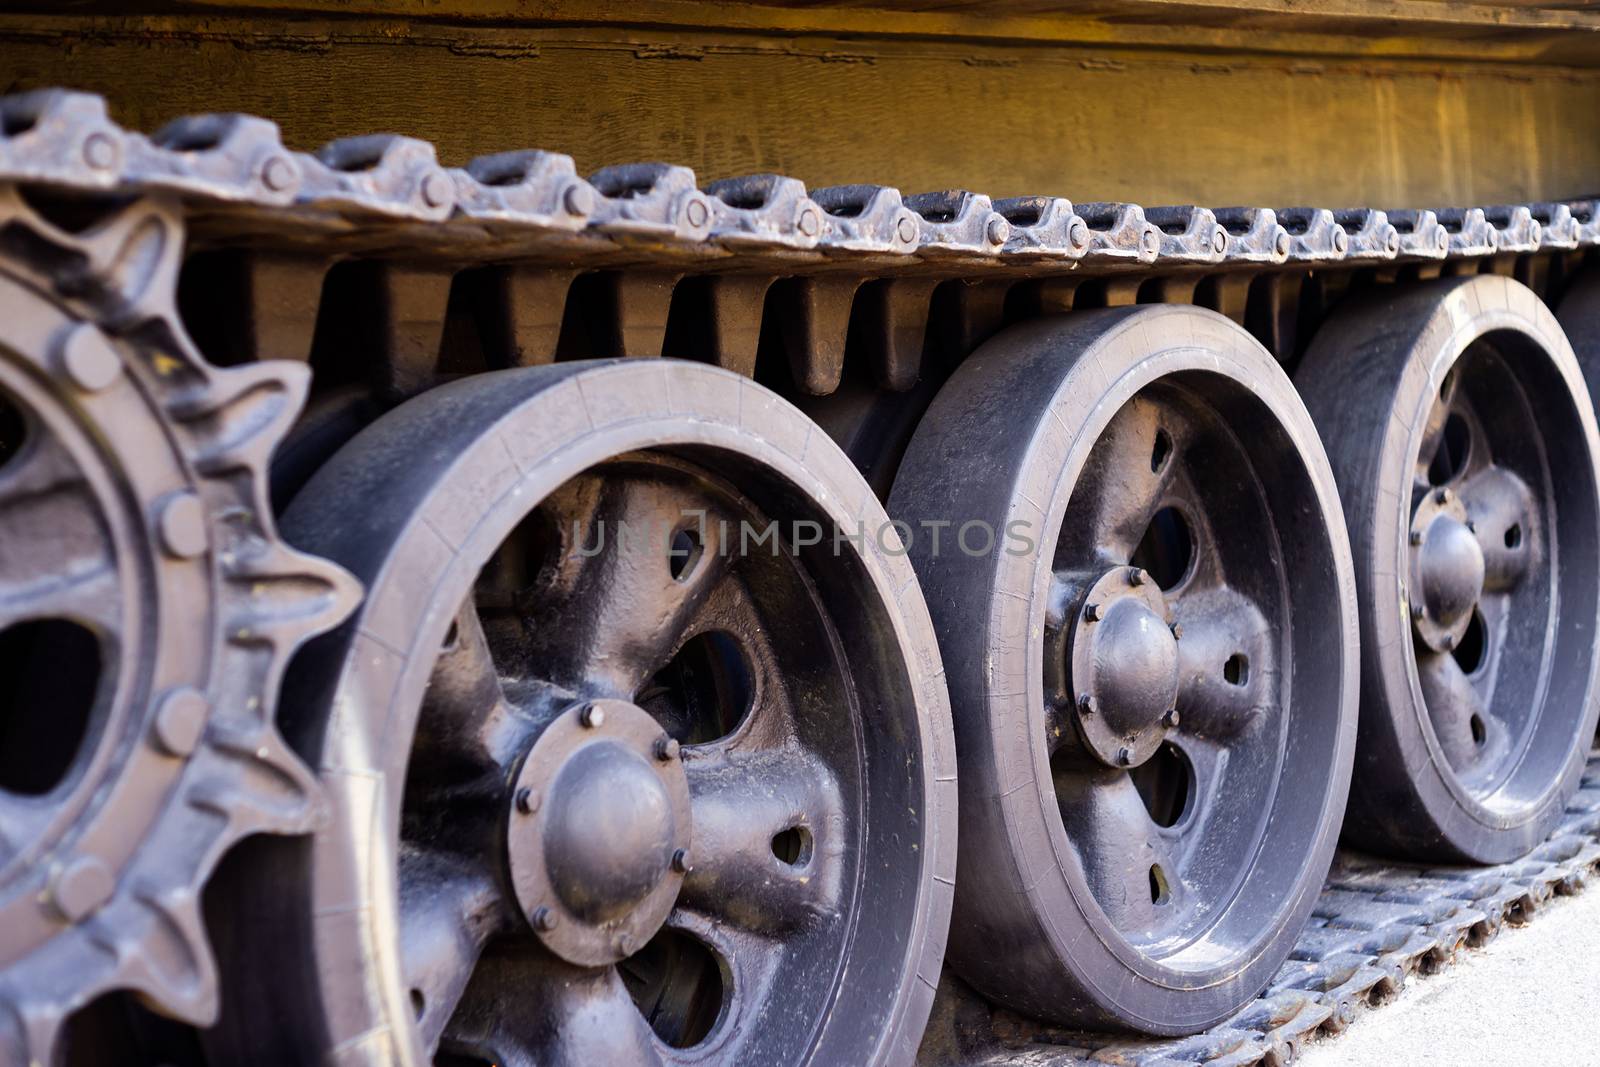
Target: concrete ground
[1531,996]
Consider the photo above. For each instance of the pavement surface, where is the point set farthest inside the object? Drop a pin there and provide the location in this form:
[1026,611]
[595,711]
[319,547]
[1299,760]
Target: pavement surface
[1531,996]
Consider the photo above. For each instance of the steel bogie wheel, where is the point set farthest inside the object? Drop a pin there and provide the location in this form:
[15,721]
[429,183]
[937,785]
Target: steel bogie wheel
[1464,442]
[1152,669]
[633,761]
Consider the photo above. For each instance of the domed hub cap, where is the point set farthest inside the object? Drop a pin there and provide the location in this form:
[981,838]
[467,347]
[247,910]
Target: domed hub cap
[598,833]
[1124,668]
[1447,570]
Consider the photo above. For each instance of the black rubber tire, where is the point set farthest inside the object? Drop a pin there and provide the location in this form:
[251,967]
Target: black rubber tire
[1005,440]
[1368,379]
[309,957]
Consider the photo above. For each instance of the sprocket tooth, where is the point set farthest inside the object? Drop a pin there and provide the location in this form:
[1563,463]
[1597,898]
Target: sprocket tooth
[284,795]
[244,412]
[174,968]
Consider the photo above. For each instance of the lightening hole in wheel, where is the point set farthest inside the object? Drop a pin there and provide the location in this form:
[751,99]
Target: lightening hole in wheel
[793,846]
[13,431]
[679,985]
[1160,892]
[419,1004]
[1513,536]
[1236,671]
[1479,733]
[1450,458]
[1162,450]
[685,554]
[704,692]
[1469,651]
[1165,782]
[49,677]
[1167,549]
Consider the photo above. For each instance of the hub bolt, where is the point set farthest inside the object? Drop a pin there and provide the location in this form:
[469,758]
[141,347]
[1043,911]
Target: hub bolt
[1125,756]
[592,717]
[1091,612]
[1135,576]
[1086,704]
[527,801]
[667,749]
[544,919]
[1170,718]
[680,861]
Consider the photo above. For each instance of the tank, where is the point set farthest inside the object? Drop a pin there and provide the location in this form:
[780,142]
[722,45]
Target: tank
[680,593]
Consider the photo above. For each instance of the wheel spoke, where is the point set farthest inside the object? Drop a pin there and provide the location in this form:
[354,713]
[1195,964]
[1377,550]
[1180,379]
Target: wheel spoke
[768,840]
[1227,680]
[643,560]
[1466,730]
[466,717]
[55,559]
[1120,488]
[448,913]
[1433,434]
[524,1008]
[1125,860]
[1500,505]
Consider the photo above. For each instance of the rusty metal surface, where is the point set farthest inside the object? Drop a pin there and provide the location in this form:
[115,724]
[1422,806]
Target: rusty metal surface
[1378,923]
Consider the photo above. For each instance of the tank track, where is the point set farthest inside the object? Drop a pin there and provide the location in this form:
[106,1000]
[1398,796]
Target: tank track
[1377,924]
[386,197]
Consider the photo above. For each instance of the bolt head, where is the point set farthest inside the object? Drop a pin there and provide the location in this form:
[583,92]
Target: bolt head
[82,888]
[1219,240]
[696,213]
[1086,704]
[1448,642]
[181,720]
[1280,243]
[437,189]
[99,151]
[88,359]
[680,861]
[1170,719]
[1472,525]
[1417,612]
[592,717]
[1135,576]
[544,919]
[1416,537]
[809,223]
[1078,233]
[906,230]
[666,749]
[182,525]
[578,199]
[278,173]
[998,230]
[1341,240]
[1124,756]
[1092,612]
[1442,497]
[527,800]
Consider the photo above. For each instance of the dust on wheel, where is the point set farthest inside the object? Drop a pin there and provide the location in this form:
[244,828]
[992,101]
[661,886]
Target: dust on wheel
[1154,682]
[615,781]
[1463,439]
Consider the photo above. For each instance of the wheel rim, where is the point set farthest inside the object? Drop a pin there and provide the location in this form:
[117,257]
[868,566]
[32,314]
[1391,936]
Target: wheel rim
[562,679]
[1168,702]
[1483,559]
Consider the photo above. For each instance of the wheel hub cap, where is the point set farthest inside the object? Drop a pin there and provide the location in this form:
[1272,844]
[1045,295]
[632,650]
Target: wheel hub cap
[598,833]
[1124,668]
[1447,568]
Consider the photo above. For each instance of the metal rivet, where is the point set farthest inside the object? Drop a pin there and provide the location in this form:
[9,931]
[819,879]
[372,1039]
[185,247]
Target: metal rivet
[1125,756]
[809,224]
[1416,537]
[99,151]
[1441,238]
[1078,233]
[1341,240]
[666,749]
[1135,576]
[578,199]
[527,801]
[436,189]
[544,919]
[906,229]
[181,720]
[998,230]
[277,174]
[1150,241]
[680,861]
[697,213]
[1086,704]
[82,888]
[1280,243]
[182,525]
[1170,718]
[88,359]
[592,717]
[1219,240]
[1391,241]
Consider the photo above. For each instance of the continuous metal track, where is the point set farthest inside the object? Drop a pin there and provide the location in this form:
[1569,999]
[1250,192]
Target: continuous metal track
[1377,924]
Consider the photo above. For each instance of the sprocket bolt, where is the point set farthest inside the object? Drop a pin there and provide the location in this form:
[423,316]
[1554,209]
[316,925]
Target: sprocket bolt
[697,214]
[906,230]
[666,749]
[578,199]
[544,919]
[592,717]
[83,887]
[89,360]
[437,190]
[277,174]
[680,861]
[181,720]
[182,524]
[527,801]
[99,151]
